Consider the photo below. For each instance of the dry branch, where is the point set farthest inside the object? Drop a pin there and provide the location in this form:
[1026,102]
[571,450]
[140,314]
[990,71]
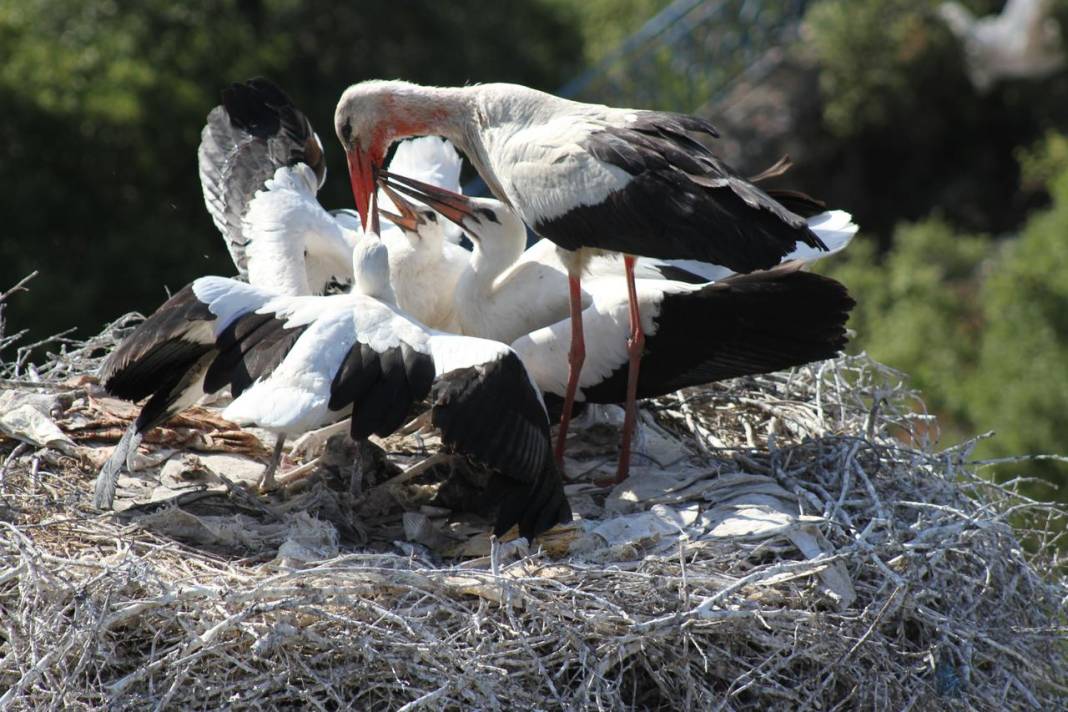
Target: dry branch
[809,548]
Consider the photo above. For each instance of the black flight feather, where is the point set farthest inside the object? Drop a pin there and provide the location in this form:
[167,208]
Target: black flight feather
[255,131]
[251,347]
[492,414]
[747,324]
[381,387]
[161,348]
[681,201]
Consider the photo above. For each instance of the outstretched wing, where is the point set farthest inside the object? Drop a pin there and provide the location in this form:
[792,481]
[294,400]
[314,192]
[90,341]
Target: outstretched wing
[255,131]
[160,349]
[482,400]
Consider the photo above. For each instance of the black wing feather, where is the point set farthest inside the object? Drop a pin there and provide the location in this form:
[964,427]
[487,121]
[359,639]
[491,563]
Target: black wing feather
[744,325]
[255,131]
[681,202]
[353,377]
[161,348]
[381,387]
[158,409]
[251,347]
[492,413]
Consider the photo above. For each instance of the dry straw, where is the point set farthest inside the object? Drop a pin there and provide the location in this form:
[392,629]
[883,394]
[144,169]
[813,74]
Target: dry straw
[807,548]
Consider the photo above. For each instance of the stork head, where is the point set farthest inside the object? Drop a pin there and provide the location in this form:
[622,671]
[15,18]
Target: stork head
[369,117]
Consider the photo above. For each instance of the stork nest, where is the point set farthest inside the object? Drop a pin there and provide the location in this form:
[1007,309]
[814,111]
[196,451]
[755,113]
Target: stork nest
[794,540]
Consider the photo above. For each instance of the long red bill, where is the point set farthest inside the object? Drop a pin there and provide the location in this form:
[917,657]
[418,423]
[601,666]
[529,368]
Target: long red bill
[362,178]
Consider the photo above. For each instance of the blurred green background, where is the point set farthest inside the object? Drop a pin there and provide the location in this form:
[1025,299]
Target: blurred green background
[960,271]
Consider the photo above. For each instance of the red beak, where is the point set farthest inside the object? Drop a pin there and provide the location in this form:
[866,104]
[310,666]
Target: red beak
[362,177]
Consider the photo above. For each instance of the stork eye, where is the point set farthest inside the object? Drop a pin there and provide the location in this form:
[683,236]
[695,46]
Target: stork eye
[488,214]
[431,216]
[346,130]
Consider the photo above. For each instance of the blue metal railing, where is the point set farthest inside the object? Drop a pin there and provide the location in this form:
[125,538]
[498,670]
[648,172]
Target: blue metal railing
[688,53]
[686,56]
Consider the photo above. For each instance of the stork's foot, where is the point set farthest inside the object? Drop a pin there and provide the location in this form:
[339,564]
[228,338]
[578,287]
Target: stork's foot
[312,442]
[267,483]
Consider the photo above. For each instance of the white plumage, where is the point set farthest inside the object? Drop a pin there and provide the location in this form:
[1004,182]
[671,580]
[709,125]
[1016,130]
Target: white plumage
[433,160]
[424,266]
[293,397]
[578,177]
[286,225]
[261,166]
[355,354]
[606,326]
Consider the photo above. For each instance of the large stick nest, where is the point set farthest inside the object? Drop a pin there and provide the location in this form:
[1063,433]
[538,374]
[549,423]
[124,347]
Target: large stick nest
[789,541]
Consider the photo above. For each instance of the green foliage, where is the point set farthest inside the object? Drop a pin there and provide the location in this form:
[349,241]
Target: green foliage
[907,130]
[916,307]
[870,52]
[981,325]
[1021,386]
[1041,163]
[604,24]
[104,101]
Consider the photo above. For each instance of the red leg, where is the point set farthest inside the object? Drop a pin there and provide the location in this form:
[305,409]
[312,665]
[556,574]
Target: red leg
[635,345]
[575,358]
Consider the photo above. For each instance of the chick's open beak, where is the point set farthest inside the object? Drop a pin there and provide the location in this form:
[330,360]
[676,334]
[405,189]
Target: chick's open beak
[406,218]
[452,206]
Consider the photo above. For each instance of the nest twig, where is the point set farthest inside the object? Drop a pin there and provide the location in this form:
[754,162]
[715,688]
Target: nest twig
[930,587]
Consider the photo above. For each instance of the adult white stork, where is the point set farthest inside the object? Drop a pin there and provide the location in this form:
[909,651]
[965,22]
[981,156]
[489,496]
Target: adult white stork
[261,166]
[506,290]
[695,333]
[322,358]
[587,177]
